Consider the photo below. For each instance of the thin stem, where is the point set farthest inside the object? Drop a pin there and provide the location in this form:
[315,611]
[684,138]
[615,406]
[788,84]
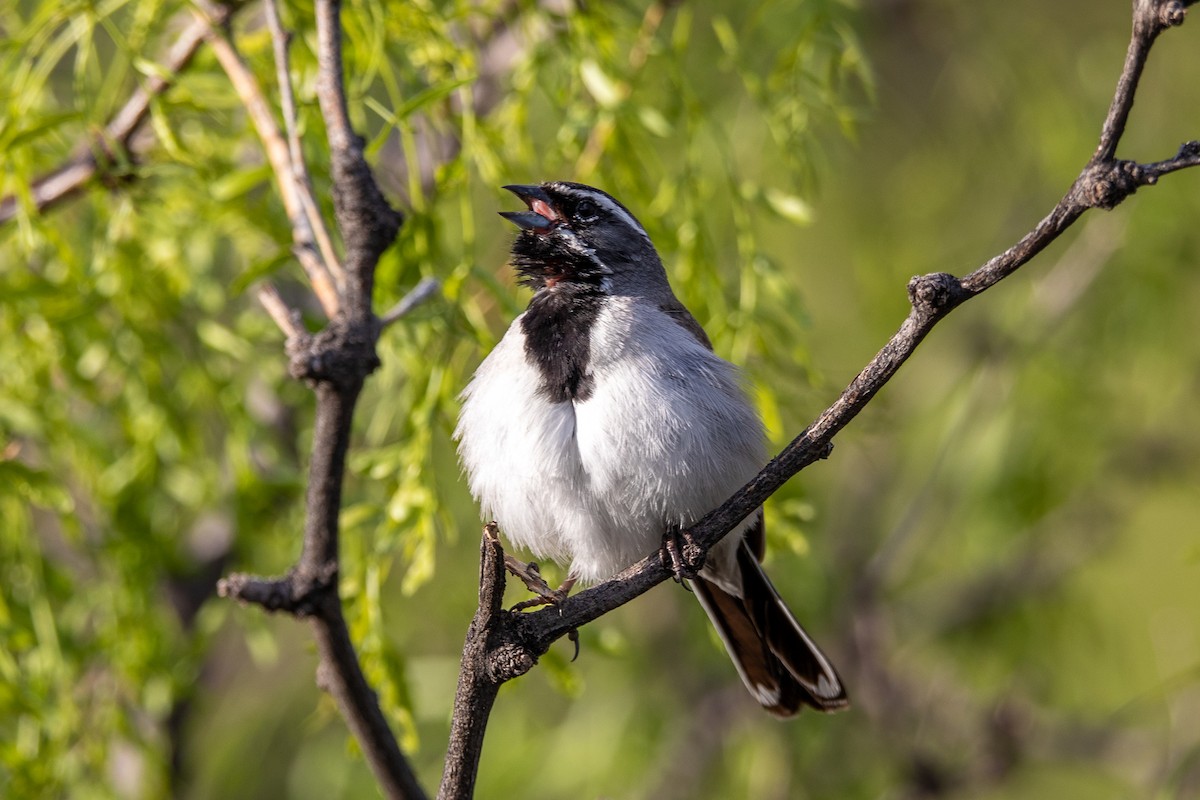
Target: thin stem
[281,41]
[425,289]
[278,310]
[276,149]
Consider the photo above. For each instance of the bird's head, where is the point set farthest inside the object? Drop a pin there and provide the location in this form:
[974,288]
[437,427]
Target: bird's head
[581,237]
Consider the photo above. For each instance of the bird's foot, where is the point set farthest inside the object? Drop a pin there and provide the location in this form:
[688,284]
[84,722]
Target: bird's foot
[681,555]
[531,576]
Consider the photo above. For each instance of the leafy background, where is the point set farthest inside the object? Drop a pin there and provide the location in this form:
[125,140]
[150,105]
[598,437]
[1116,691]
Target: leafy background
[1001,554]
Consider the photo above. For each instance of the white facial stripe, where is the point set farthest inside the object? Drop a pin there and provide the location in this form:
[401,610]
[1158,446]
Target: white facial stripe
[605,202]
[575,244]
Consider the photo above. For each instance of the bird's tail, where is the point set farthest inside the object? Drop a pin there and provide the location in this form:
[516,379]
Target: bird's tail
[779,663]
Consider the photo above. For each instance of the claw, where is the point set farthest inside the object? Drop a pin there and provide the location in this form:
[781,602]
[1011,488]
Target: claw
[675,543]
[573,636]
[531,576]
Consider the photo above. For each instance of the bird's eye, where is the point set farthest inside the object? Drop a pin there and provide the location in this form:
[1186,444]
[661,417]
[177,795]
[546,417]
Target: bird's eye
[586,211]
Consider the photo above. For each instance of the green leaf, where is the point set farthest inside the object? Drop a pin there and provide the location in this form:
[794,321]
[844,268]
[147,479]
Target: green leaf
[240,182]
[606,92]
[418,101]
[655,122]
[789,206]
[223,340]
[726,36]
[36,486]
[40,125]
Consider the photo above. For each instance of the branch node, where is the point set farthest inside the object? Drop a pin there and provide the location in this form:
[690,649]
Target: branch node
[508,661]
[293,594]
[1107,183]
[933,295]
[1152,17]
[1172,14]
[342,354]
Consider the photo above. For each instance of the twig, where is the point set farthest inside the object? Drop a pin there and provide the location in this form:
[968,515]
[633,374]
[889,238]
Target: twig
[1150,18]
[281,40]
[276,149]
[285,317]
[425,289]
[61,184]
[1103,183]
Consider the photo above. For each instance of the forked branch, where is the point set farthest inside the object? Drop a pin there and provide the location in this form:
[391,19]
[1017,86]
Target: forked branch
[335,362]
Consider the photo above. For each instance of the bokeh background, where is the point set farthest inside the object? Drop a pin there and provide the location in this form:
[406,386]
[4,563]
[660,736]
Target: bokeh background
[1001,555]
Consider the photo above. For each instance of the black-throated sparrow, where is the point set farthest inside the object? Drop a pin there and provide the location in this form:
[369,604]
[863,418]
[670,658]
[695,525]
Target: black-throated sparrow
[603,419]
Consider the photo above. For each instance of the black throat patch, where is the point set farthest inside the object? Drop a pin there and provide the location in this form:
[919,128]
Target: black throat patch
[558,331]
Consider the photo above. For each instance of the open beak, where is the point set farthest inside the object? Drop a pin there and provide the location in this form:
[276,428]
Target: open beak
[540,217]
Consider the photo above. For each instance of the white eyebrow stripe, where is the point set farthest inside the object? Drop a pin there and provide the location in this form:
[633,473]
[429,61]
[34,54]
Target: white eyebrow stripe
[605,202]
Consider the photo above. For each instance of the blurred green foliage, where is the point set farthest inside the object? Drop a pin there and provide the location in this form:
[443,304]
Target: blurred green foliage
[1002,553]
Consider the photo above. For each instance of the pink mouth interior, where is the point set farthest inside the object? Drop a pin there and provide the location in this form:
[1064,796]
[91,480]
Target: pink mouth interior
[543,208]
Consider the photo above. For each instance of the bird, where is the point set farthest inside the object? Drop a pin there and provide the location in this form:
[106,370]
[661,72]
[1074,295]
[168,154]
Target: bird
[603,420]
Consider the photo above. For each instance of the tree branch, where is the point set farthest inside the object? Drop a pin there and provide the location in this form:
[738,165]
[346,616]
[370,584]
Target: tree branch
[336,362]
[279,155]
[485,665]
[316,230]
[286,318]
[367,222]
[97,153]
[425,289]
[521,639]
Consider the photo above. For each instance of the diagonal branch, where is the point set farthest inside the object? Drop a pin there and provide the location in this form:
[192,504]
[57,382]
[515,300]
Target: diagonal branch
[279,156]
[315,230]
[1101,184]
[285,317]
[1150,18]
[516,641]
[425,289]
[95,154]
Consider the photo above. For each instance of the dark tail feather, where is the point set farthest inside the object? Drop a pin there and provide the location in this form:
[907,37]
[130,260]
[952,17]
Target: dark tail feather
[781,666]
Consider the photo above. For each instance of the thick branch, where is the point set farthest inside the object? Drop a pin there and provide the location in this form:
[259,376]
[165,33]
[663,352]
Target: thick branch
[339,674]
[367,223]
[335,362]
[486,664]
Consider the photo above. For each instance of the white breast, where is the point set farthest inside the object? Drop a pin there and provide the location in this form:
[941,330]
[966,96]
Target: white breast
[666,435]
